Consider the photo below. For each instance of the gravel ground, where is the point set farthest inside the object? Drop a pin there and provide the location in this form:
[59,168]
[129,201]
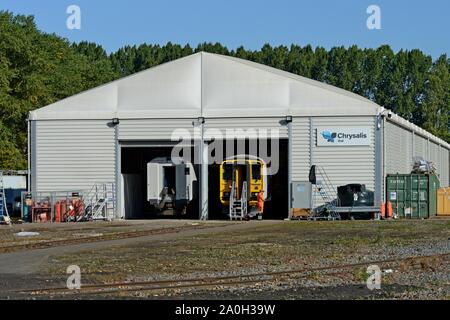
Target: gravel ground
[270,246]
[88,230]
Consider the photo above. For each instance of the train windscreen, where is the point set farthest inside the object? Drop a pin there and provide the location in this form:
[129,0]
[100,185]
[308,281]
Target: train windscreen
[227,171]
[256,171]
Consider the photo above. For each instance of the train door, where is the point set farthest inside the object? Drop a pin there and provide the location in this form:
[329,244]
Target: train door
[241,173]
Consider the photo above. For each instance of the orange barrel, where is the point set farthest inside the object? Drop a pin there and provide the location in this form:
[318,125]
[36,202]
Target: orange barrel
[383,210]
[63,210]
[388,209]
[72,208]
[80,208]
[57,211]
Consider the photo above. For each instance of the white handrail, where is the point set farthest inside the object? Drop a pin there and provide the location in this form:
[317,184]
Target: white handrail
[244,200]
[231,200]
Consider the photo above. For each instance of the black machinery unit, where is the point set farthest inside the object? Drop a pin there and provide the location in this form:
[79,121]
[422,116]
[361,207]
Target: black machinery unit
[356,195]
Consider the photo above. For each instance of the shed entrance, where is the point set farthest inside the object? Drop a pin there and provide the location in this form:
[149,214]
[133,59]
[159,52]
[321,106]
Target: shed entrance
[276,205]
[154,187]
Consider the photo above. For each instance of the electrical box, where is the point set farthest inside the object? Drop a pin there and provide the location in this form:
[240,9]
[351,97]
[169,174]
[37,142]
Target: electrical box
[301,194]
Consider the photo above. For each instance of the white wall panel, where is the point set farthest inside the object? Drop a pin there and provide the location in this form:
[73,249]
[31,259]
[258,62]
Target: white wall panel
[346,164]
[398,147]
[73,154]
[444,167]
[153,129]
[420,147]
[301,155]
[248,126]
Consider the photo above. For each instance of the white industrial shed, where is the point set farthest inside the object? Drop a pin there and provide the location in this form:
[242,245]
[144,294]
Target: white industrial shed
[74,142]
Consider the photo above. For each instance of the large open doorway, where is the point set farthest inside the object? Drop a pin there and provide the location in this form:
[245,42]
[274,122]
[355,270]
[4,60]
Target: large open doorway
[136,188]
[276,205]
[151,185]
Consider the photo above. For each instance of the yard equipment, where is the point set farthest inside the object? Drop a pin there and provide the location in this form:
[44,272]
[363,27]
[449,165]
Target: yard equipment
[325,192]
[41,211]
[353,196]
[99,203]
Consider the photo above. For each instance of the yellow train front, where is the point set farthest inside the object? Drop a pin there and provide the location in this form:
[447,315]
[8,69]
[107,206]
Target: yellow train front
[238,172]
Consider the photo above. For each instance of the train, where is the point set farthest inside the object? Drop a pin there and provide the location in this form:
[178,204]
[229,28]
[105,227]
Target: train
[236,171]
[170,185]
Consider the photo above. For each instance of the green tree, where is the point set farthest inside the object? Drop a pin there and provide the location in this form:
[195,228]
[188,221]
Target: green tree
[436,104]
[37,69]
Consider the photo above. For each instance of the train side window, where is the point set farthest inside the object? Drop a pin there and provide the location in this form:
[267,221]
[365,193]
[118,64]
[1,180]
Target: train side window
[256,171]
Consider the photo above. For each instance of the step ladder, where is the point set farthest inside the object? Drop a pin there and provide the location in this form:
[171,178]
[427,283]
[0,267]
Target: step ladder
[100,202]
[324,192]
[4,215]
[238,207]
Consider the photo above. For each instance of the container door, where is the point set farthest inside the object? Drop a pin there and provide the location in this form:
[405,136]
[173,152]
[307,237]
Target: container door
[181,182]
[154,182]
[432,194]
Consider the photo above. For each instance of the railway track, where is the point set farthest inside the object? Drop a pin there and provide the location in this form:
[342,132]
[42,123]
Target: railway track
[156,285]
[106,237]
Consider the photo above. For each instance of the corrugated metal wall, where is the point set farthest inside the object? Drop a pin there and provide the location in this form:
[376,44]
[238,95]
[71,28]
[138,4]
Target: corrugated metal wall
[300,149]
[420,146]
[152,129]
[435,156]
[246,123]
[343,164]
[439,156]
[346,164]
[162,129]
[445,167]
[398,147]
[400,152]
[72,154]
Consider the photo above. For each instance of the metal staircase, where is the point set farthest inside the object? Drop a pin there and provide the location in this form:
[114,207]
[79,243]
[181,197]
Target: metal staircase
[238,207]
[4,215]
[325,193]
[100,202]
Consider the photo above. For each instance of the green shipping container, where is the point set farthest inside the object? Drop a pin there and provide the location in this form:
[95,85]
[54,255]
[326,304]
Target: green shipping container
[412,195]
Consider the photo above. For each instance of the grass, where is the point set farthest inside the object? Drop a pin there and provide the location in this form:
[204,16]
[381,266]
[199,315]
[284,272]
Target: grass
[360,275]
[283,245]
[267,247]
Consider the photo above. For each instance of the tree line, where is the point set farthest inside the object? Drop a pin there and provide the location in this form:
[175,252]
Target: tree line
[37,69]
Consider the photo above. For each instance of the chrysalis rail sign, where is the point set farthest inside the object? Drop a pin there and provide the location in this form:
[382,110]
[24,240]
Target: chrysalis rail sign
[344,136]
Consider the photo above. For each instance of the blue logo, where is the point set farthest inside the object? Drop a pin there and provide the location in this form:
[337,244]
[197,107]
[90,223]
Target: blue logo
[328,135]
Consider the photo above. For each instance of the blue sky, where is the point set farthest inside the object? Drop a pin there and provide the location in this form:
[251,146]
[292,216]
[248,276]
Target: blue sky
[114,23]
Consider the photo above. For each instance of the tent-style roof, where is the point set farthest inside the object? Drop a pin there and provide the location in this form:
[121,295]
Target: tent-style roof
[209,85]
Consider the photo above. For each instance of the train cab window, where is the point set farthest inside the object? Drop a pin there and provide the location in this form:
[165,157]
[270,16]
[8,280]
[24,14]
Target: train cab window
[256,171]
[228,172]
